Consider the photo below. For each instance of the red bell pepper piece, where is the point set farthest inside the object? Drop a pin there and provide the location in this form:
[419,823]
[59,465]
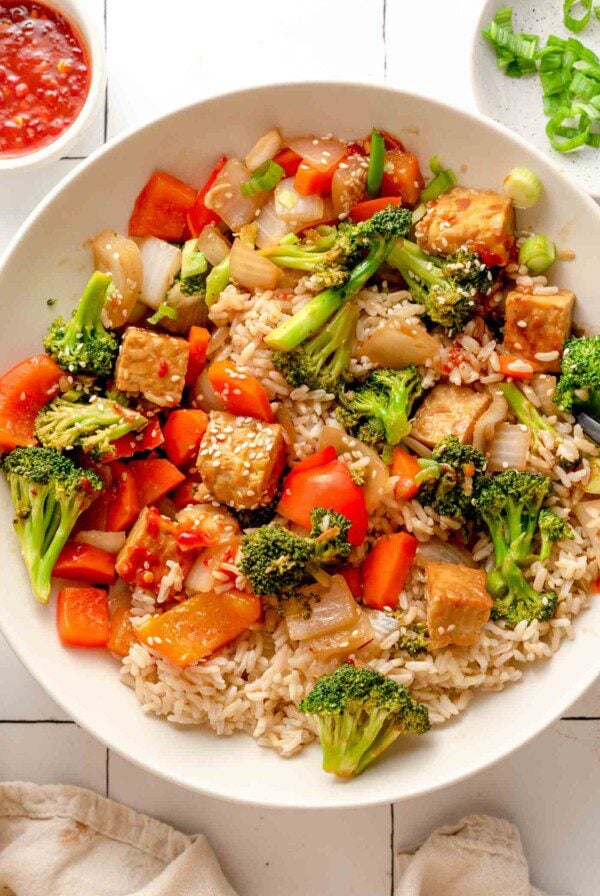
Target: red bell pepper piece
[406,467]
[386,569]
[288,160]
[24,390]
[354,580]
[330,486]
[318,459]
[402,176]
[148,439]
[198,339]
[365,210]
[183,432]
[85,563]
[82,617]
[185,494]
[123,505]
[154,477]
[121,635]
[162,207]
[199,215]
[242,394]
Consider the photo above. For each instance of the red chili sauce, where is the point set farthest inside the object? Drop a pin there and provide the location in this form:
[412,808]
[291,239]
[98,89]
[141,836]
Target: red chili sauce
[44,76]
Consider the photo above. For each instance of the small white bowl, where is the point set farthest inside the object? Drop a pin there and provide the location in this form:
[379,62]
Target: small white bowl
[94,44]
[517,102]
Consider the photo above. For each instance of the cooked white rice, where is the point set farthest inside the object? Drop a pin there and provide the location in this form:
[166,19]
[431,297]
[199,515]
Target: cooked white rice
[255,683]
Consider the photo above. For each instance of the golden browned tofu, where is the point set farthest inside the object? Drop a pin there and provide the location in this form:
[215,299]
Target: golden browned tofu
[241,459]
[150,552]
[481,220]
[537,326]
[449,410]
[457,604]
[152,364]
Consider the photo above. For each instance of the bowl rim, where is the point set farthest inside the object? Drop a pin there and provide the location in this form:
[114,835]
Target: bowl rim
[572,690]
[474,80]
[93,40]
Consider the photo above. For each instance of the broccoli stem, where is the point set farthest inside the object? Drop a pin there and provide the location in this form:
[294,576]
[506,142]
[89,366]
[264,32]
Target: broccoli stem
[412,262]
[525,412]
[311,317]
[216,281]
[91,303]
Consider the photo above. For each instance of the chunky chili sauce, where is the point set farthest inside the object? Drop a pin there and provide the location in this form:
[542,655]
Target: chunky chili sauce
[44,75]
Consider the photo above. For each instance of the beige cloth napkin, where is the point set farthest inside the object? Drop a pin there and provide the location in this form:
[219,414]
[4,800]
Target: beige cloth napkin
[477,856]
[59,840]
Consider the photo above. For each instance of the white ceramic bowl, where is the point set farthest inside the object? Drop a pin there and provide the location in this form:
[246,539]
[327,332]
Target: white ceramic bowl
[48,258]
[80,15]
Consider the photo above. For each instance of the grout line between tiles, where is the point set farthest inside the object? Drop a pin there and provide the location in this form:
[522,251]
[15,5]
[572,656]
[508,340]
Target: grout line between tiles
[580,718]
[393,864]
[384,33]
[107,773]
[36,722]
[105,132]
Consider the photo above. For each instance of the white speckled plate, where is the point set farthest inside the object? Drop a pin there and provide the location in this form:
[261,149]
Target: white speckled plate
[517,103]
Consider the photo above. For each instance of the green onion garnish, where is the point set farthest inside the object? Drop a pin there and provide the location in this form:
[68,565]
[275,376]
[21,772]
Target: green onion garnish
[163,310]
[193,262]
[537,254]
[577,24]
[266,177]
[522,186]
[569,75]
[444,179]
[376,161]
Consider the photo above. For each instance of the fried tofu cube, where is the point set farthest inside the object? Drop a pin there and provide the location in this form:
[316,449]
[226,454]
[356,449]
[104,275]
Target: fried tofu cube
[449,410]
[152,364]
[480,220]
[241,460]
[537,326]
[151,552]
[458,604]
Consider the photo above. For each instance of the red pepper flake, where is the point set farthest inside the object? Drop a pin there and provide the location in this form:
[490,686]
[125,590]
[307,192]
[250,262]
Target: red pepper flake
[163,368]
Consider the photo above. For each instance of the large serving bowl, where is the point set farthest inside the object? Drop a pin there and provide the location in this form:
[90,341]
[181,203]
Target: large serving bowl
[48,257]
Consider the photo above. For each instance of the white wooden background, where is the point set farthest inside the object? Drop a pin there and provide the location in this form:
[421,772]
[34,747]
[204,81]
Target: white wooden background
[162,54]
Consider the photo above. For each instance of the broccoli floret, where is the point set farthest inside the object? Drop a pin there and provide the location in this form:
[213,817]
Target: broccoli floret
[193,286]
[330,534]
[92,425]
[276,561]
[376,411]
[579,383]
[321,361]
[510,505]
[526,412]
[49,492]
[448,478]
[414,639]
[379,236]
[447,287]
[82,345]
[328,253]
[359,713]
[552,528]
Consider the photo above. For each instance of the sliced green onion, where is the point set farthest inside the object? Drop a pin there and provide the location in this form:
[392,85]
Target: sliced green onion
[537,254]
[515,54]
[443,181]
[577,24]
[216,281]
[580,133]
[163,310]
[289,239]
[376,162]
[266,177]
[523,186]
[554,82]
[193,262]
[583,87]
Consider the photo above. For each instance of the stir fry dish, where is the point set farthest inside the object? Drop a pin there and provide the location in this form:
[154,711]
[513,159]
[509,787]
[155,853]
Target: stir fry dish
[315,453]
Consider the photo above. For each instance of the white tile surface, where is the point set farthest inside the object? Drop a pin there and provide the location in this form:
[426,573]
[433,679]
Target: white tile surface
[158,58]
[52,753]
[550,789]
[272,851]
